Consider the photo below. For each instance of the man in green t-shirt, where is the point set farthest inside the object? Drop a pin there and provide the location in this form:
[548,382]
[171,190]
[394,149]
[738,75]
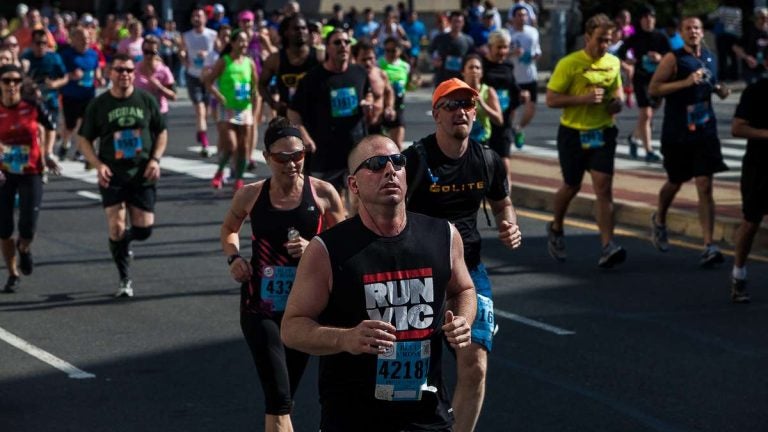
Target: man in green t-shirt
[587,85]
[132,138]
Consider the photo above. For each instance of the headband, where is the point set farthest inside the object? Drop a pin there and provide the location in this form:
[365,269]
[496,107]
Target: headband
[273,135]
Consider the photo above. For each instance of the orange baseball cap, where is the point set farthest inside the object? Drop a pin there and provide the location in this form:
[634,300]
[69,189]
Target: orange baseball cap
[449,86]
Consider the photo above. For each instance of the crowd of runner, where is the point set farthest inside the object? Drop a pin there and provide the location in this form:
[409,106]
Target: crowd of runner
[333,94]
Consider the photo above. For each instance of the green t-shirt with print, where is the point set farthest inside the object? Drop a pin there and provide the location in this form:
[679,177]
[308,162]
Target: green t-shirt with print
[126,129]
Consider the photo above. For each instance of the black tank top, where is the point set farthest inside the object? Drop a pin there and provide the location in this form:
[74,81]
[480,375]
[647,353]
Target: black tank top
[501,76]
[288,75]
[273,267]
[688,113]
[400,280]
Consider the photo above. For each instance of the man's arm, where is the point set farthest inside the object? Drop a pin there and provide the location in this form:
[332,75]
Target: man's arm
[506,220]
[309,296]
[740,128]
[461,299]
[661,84]
[269,69]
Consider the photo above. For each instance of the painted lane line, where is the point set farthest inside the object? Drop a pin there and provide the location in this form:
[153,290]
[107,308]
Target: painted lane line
[533,323]
[89,195]
[44,356]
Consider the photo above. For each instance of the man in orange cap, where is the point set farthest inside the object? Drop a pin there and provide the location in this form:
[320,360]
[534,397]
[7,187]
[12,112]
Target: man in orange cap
[449,176]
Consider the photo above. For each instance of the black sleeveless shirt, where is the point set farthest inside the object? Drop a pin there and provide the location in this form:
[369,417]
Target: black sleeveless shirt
[272,265]
[401,280]
[688,113]
[289,75]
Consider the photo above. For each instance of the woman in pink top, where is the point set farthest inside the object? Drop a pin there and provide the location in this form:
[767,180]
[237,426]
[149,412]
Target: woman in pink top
[153,75]
[133,43]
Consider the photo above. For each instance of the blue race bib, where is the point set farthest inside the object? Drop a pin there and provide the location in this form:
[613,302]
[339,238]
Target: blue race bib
[401,371]
[503,98]
[648,65]
[276,283]
[16,158]
[242,91]
[698,115]
[591,139]
[344,102]
[87,79]
[453,63]
[482,328]
[128,143]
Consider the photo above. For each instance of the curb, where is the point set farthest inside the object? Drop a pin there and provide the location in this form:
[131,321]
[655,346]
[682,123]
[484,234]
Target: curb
[637,215]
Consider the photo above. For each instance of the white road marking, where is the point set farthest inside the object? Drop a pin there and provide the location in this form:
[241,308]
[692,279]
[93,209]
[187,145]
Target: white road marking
[533,323]
[44,356]
[89,195]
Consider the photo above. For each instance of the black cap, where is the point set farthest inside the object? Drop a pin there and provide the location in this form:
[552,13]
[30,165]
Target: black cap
[337,7]
[647,10]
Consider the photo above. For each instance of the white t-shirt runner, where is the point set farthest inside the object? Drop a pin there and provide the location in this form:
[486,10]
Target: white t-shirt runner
[195,43]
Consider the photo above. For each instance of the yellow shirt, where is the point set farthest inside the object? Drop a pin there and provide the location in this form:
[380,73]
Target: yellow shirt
[576,74]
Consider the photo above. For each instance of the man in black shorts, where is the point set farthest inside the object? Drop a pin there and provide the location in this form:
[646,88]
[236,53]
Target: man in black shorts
[587,85]
[132,138]
[686,79]
[374,296]
[750,122]
[330,107]
[449,176]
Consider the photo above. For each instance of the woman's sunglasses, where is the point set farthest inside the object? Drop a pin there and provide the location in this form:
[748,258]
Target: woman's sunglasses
[285,157]
[377,163]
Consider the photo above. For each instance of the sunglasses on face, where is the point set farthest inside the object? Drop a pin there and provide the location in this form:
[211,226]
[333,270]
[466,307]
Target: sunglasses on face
[41,42]
[453,105]
[390,50]
[378,163]
[285,157]
[9,81]
[340,42]
[120,70]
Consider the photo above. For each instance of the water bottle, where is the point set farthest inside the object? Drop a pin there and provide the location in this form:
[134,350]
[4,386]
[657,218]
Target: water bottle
[293,233]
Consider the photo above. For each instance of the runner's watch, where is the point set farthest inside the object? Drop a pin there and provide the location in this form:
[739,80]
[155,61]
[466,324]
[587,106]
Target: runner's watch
[232,258]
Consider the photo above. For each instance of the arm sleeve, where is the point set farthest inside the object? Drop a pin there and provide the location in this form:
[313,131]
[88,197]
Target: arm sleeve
[157,122]
[44,117]
[88,129]
[499,187]
[560,80]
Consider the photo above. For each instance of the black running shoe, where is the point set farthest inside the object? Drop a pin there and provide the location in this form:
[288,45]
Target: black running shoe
[26,264]
[12,284]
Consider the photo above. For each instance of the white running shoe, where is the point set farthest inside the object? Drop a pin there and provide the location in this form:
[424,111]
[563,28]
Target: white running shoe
[126,289]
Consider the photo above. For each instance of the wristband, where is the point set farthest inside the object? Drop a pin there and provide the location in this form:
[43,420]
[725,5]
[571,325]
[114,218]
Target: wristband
[155,158]
[232,258]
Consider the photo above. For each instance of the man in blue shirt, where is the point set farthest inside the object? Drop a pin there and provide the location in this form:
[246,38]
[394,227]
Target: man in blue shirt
[82,64]
[368,27]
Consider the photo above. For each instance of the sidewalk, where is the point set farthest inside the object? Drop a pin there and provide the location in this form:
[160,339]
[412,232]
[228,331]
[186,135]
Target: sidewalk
[635,192]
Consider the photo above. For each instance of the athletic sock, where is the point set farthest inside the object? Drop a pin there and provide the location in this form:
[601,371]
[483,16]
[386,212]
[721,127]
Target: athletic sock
[241,163]
[223,160]
[202,136]
[739,272]
[119,251]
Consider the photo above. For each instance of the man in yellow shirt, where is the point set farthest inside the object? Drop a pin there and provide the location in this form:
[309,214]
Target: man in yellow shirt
[587,85]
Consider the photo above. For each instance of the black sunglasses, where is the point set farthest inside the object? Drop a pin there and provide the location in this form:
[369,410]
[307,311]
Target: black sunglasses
[285,157]
[9,81]
[340,42]
[377,163]
[453,105]
[120,70]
